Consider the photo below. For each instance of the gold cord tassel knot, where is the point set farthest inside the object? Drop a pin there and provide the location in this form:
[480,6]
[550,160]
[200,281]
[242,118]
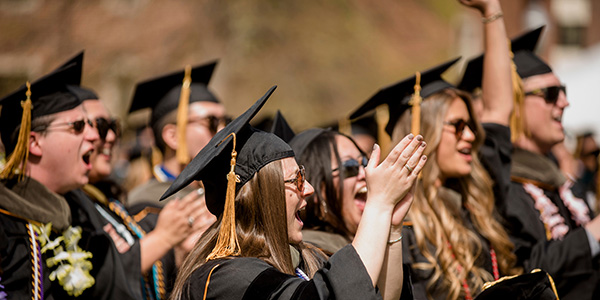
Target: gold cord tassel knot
[415,101]
[182,117]
[227,242]
[17,162]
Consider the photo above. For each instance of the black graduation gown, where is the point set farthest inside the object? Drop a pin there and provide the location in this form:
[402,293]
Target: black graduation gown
[117,275]
[343,277]
[16,258]
[569,261]
[495,155]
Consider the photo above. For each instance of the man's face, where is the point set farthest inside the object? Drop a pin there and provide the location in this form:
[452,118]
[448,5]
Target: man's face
[543,116]
[103,147]
[199,130]
[64,160]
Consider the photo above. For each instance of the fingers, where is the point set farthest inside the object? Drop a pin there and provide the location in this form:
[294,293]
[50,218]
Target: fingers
[399,148]
[413,161]
[375,155]
[409,151]
[417,169]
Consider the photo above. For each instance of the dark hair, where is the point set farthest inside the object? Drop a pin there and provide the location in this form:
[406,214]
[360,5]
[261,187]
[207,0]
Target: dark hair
[324,208]
[158,126]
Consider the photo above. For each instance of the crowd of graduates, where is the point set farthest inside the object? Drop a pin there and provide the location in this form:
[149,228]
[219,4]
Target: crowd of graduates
[429,190]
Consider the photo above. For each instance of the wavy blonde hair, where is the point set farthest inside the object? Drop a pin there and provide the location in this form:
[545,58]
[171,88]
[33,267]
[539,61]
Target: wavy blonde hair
[437,219]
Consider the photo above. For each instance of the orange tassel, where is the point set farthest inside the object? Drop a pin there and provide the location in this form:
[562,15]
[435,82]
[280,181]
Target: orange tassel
[17,161]
[382,117]
[182,117]
[415,101]
[517,118]
[227,242]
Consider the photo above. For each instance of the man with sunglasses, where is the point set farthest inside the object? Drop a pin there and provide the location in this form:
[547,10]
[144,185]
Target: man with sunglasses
[184,118]
[46,252]
[551,228]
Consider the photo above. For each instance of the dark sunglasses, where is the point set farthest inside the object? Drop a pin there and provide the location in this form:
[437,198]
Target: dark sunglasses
[77,126]
[103,126]
[459,127]
[351,167]
[550,94]
[213,122]
[299,180]
[594,153]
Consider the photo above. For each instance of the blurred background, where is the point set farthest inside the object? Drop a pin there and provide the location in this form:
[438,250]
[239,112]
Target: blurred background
[327,57]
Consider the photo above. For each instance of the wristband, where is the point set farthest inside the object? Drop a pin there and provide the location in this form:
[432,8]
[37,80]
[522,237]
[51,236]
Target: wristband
[492,18]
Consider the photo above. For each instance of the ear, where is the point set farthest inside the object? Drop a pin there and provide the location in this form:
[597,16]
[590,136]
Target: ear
[169,135]
[35,143]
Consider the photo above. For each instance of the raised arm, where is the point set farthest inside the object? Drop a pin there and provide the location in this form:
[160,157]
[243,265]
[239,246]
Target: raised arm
[497,82]
[389,184]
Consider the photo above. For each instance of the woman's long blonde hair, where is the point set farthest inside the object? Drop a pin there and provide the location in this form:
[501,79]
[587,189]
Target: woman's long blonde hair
[261,226]
[437,219]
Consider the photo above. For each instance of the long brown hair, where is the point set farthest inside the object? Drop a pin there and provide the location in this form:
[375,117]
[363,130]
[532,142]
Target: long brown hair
[261,226]
[437,219]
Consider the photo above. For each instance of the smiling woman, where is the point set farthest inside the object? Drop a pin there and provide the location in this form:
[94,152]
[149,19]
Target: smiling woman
[255,249]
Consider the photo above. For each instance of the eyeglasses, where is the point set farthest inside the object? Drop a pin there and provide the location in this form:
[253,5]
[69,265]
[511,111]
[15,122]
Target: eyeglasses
[459,127]
[299,180]
[594,153]
[103,125]
[351,167]
[214,122]
[550,94]
[77,126]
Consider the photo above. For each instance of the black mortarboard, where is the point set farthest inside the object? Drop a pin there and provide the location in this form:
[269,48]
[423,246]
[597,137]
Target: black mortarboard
[281,128]
[48,95]
[397,96]
[301,141]
[82,93]
[528,64]
[162,94]
[255,149]
[224,171]
[537,285]
[525,43]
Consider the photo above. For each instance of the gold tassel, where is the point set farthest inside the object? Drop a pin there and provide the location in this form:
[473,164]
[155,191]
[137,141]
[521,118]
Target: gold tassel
[227,242]
[182,117]
[345,127]
[382,117]
[415,101]
[17,162]
[517,118]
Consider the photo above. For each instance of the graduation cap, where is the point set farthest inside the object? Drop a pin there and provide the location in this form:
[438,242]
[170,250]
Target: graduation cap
[225,164]
[537,285]
[301,141]
[281,128]
[404,94]
[82,93]
[48,95]
[524,43]
[173,91]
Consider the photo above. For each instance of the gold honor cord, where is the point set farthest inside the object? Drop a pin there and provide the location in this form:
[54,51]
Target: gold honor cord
[415,101]
[227,242]
[18,158]
[182,117]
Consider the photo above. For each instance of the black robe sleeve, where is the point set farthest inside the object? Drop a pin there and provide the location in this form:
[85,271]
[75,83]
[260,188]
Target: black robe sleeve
[495,155]
[117,275]
[343,277]
[568,261]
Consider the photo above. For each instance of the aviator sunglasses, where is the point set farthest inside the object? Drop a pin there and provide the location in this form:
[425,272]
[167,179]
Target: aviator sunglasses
[459,126]
[351,167]
[77,126]
[103,125]
[299,180]
[550,94]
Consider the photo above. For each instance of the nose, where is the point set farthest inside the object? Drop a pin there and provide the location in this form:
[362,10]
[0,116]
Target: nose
[308,189]
[90,133]
[111,136]
[362,174]
[562,101]
[468,134]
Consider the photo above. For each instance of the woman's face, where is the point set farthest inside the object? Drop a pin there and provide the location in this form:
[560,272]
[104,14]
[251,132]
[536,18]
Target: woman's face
[455,149]
[294,198]
[354,187]
[103,147]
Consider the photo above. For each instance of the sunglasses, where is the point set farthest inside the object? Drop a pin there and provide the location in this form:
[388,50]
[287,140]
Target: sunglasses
[77,126]
[351,167]
[103,126]
[550,94]
[459,127]
[299,180]
[213,122]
